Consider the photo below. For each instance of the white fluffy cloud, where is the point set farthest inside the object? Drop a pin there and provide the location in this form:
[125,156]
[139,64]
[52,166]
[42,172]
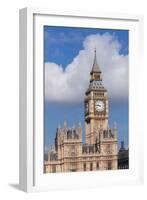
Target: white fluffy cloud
[69,85]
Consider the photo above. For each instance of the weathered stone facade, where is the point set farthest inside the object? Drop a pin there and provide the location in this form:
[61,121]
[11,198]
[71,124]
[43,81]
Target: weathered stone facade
[99,152]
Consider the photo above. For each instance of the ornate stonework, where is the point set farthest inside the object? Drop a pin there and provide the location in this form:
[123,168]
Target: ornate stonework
[99,152]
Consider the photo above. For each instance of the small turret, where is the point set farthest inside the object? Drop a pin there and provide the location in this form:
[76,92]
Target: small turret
[115,130]
[122,148]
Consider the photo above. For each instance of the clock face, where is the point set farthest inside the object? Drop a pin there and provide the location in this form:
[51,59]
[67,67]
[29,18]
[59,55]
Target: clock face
[99,106]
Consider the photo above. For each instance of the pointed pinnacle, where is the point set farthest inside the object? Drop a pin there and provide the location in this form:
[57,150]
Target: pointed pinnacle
[95,67]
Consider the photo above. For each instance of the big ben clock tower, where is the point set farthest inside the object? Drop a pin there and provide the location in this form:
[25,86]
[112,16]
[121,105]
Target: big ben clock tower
[100,150]
[96,105]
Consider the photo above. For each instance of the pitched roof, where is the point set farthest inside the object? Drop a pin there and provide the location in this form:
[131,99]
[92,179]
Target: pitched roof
[95,67]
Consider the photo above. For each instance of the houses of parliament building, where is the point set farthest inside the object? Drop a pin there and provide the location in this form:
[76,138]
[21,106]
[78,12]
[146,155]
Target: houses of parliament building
[100,151]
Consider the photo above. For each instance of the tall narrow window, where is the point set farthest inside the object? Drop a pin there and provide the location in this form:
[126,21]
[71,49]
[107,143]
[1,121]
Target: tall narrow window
[97,165]
[109,165]
[54,169]
[91,166]
[84,166]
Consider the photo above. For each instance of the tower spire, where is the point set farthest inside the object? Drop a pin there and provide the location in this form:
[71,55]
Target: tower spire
[95,67]
[65,124]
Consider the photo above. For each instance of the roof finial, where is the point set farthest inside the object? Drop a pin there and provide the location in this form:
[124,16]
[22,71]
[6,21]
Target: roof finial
[95,60]
[65,123]
[95,50]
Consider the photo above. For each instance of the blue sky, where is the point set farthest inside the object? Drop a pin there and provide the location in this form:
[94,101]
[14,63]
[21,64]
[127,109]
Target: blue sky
[61,46]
